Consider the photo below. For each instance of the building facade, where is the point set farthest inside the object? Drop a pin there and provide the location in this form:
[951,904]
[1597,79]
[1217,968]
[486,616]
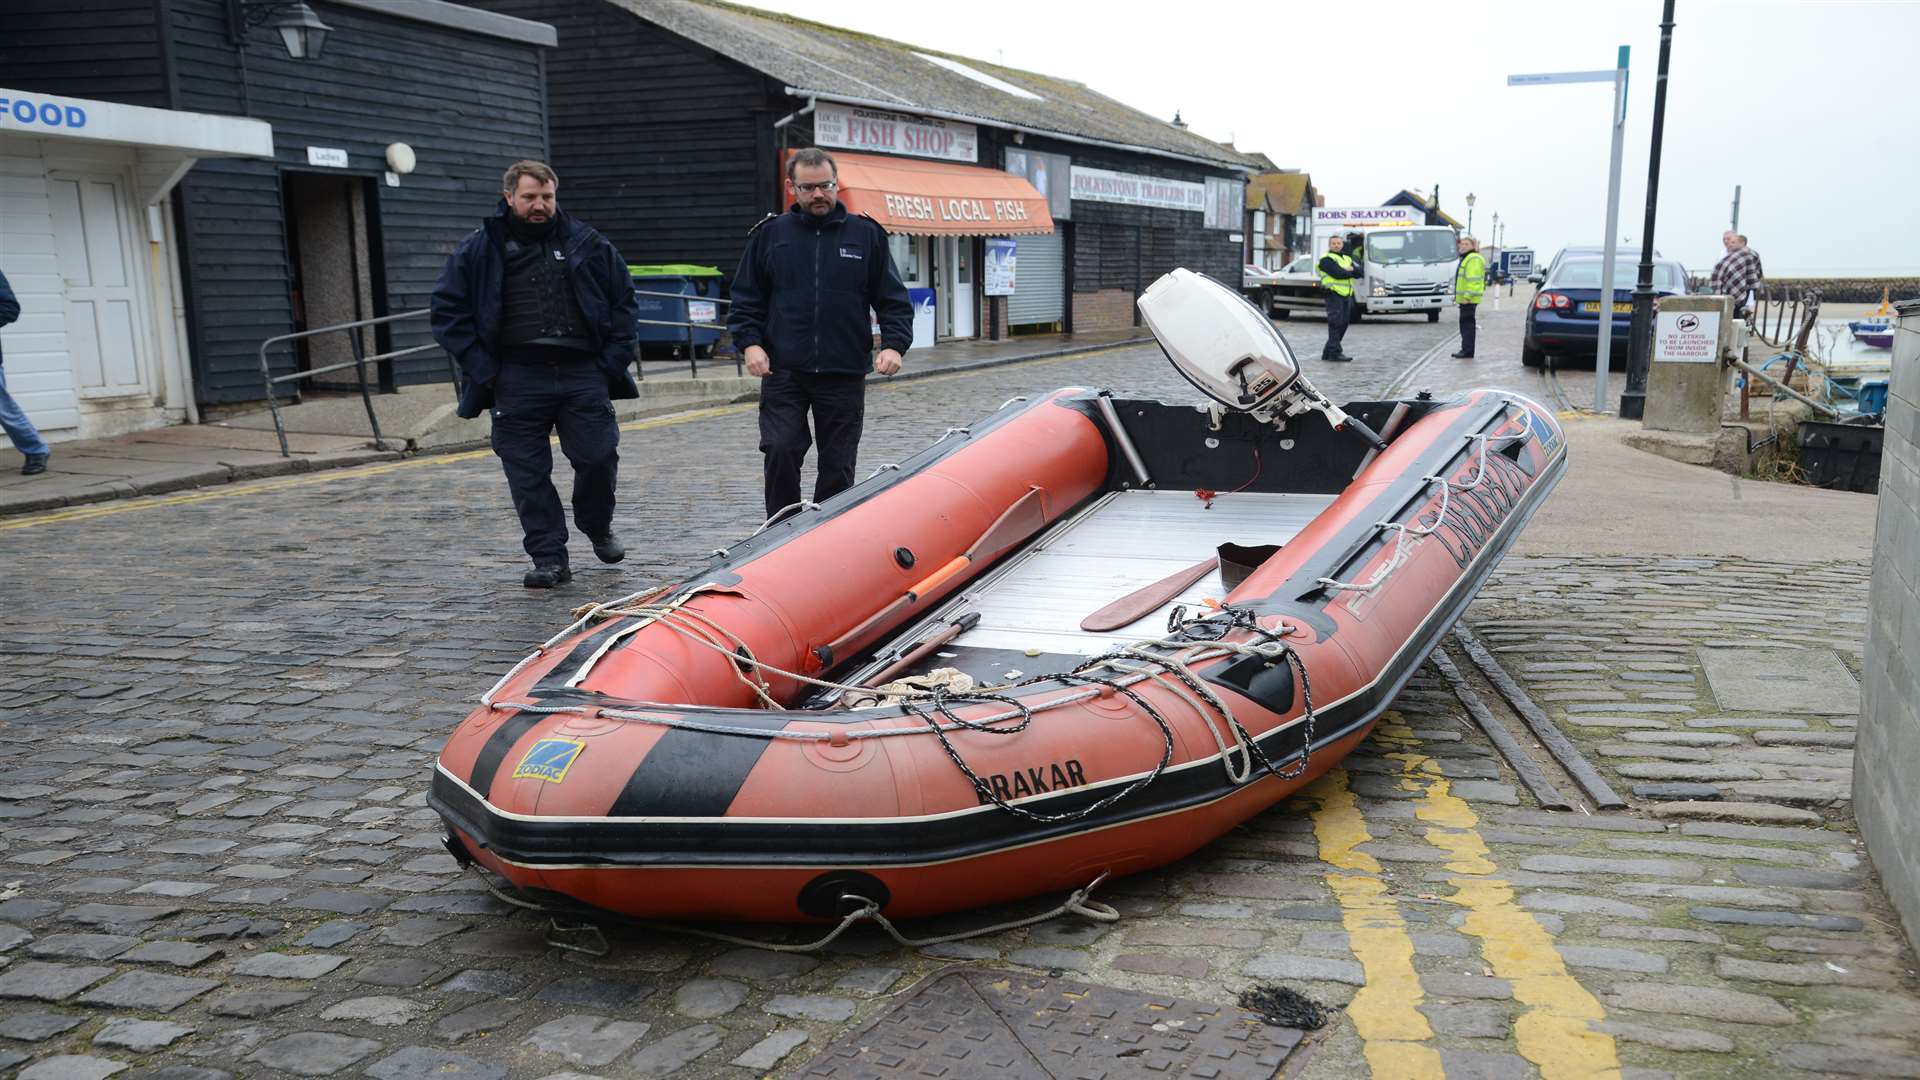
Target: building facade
[671,119]
[383,151]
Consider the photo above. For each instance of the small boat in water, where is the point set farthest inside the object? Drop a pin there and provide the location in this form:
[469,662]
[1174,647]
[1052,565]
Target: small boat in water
[1873,332]
[1085,636]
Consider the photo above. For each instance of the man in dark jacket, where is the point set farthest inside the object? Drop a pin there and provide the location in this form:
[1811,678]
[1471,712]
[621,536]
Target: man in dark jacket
[538,309]
[26,438]
[800,318]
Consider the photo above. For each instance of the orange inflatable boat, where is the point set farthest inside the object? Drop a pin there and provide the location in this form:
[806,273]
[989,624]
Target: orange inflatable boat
[1085,636]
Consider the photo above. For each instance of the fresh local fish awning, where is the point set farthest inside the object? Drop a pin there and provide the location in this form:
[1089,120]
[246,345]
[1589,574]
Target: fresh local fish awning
[935,198]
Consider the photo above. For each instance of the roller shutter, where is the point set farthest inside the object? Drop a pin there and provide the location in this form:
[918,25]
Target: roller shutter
[1040,281]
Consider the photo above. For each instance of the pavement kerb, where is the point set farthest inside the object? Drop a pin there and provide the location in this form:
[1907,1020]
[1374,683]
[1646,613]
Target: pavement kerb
[48,512]
[226,474]
[1403,381]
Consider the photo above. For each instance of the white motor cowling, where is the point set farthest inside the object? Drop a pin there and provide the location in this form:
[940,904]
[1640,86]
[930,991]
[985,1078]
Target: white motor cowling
[1230,350]
[1220,342]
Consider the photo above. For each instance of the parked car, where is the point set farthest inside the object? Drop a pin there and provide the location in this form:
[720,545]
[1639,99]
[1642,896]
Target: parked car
[1583,251]
[1253,274]
[1295,285]
[1565,316]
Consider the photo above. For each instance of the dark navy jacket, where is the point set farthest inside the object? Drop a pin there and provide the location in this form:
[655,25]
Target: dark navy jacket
[9,306]
[467,305]
[804,288]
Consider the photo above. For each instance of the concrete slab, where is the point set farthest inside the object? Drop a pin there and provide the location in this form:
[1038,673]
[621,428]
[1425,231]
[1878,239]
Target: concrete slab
[1809,681]
[1616,500]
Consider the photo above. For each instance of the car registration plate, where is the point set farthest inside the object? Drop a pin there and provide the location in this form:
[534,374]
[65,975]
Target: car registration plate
[1618,309]
[702,311]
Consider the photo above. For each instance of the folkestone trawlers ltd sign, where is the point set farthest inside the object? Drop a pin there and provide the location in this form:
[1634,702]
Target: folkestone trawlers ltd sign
[1132,189]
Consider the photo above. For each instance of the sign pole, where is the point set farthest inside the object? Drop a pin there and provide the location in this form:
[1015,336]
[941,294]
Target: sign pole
[1618,77]
[1603,357]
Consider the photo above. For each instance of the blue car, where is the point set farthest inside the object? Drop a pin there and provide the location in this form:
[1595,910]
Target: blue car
[1565,317]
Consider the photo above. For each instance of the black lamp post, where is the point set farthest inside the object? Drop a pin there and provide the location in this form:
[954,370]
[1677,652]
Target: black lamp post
[1470,201]
[1633,401]
[301,30]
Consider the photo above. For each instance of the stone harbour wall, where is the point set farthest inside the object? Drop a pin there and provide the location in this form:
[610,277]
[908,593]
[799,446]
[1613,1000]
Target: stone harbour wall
[1886,772]
[1863,290]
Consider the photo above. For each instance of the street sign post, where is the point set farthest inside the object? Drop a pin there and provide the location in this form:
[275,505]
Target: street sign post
[1603,359]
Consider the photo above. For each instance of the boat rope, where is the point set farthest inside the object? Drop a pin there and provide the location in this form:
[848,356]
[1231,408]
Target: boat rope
[939,705]
[1079,902]
[783,513]
[1401,552]
[1138,662]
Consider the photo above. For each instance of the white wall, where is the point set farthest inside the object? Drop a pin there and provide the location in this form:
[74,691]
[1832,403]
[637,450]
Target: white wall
[38,356]
[39,372]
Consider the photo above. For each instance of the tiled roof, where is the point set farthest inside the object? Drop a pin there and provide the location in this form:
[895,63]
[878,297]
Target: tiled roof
[814,58]
[1419,202]
[1281,192]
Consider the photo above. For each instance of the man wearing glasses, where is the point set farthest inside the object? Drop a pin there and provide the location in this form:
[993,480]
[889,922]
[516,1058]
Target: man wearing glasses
[800,318]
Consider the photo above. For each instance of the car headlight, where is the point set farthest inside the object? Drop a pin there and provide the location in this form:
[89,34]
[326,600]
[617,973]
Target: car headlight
[1379,289]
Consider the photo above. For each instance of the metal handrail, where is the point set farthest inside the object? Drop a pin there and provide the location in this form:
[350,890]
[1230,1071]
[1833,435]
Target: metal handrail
[693,362]
[359,363]
[269,380]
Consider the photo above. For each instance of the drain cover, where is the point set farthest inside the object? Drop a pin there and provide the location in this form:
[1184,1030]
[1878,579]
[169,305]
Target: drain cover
[973,1024]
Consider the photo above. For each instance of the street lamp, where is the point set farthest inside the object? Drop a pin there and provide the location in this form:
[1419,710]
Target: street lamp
[301,30]
[1470,201]
[1494,233]
[1633,402]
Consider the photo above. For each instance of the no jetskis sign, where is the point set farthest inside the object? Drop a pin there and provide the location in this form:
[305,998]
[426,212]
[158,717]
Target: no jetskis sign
[1686,337]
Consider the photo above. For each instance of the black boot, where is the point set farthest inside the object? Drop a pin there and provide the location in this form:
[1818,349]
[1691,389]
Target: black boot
[35,465]
[608,548]
[547,576]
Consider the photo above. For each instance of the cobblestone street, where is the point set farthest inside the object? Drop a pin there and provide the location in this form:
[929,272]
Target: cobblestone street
[221,707]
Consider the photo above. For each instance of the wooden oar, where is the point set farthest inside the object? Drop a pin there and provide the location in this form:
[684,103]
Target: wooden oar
[1143,601]
[914,655]
[1023,519]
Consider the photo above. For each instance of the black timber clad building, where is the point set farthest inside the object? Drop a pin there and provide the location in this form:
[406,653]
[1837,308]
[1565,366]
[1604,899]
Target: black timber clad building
[325,232]
[669,120]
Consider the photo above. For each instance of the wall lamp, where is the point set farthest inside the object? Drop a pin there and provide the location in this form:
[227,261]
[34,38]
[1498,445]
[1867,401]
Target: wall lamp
[299,25]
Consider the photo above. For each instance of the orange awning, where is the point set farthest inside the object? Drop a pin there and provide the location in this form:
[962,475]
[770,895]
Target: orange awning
[938,198]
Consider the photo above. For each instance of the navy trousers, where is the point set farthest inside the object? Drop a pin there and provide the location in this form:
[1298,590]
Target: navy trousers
[839,406]
[1468,331]
[535,396]
[1339,310]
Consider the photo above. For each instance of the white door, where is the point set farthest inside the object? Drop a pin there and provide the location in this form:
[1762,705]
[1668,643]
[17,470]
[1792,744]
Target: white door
[959,283]
[92,230]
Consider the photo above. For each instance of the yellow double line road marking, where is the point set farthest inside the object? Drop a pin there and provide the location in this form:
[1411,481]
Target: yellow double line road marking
[1386,1011]
[333,476]
[1555,1032]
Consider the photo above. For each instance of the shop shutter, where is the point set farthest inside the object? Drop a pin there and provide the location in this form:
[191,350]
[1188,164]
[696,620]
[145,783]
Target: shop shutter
[1040,281]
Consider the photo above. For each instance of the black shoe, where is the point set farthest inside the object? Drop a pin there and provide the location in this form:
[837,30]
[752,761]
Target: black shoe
[1343,358]
[36,464]
[546,576]
[608,548]
[1463,356]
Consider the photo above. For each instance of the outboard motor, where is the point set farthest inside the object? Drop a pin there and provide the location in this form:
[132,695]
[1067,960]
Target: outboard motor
[1228,349]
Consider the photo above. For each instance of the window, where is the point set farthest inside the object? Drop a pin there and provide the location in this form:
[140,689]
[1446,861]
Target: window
[1585,274]
[1226,202]
[1392,248]
[906,256]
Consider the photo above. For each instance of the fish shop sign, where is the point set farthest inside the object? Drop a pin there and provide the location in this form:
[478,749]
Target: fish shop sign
[878,131]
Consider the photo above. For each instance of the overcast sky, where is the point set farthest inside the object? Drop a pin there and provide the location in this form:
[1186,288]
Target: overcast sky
[1811,107]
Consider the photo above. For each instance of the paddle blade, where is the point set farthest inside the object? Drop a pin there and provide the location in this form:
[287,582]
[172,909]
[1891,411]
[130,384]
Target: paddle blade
[1143,601]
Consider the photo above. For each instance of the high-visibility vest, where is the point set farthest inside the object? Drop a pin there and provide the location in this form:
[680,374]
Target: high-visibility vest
[1470,280]
[1334,285]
